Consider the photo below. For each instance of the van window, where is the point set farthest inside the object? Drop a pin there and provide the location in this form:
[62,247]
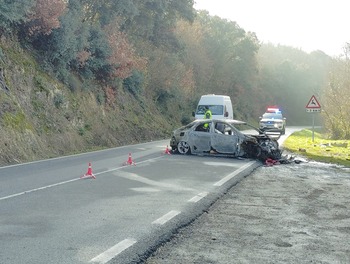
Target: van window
[215,109]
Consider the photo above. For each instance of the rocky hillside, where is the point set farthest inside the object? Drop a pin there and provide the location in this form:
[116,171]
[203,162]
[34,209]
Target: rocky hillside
[41,118]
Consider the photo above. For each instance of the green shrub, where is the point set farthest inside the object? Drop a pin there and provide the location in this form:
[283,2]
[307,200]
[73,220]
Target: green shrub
[133,84]
[100,97]
[81,131]
[41,84]
[58,100]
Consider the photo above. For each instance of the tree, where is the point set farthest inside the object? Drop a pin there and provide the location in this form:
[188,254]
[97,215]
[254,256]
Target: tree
[14,12]
[97,65]
[232,53]
[65,43]
[288,77]
[336,107]
[123,58]
[45,16]
[155,20]
[105,11]
[195,56]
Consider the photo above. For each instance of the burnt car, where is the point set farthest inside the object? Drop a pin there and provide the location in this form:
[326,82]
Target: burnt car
[229,137]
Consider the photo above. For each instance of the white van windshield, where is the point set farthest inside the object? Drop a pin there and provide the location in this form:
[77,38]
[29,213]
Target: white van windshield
[215,109]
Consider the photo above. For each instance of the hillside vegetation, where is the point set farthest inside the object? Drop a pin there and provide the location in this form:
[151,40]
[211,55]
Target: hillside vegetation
[42,118]
[81,75]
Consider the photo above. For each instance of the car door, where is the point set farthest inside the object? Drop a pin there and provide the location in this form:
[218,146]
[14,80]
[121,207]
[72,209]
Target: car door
[199,138]
[224,139]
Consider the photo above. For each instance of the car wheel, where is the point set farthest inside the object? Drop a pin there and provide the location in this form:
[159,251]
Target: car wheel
[183,147]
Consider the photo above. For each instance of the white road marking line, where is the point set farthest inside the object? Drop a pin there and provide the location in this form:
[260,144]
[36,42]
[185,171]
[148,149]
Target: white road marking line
[233,174]
[165,218]
[37,189]
[113,251]
[198,197]
[64,182]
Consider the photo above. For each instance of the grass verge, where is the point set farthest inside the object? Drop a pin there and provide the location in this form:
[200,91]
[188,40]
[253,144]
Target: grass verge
[319,149]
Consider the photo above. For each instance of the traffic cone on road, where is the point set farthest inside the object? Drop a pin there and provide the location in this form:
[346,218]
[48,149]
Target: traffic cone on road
[89,173]
[167,151]
[129,161]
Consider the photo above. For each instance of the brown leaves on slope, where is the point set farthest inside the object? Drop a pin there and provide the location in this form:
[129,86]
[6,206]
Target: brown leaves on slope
[123,57]
[45,16]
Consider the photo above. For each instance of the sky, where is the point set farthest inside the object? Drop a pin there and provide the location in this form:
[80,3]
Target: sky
[308,25]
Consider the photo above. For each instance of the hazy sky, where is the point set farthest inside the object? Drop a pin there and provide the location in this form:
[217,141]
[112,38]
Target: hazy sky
[306,24]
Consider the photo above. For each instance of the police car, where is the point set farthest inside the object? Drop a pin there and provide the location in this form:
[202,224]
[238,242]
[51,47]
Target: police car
[273,121]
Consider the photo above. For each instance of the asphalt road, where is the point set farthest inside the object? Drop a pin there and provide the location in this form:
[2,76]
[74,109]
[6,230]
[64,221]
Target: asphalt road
[49,214]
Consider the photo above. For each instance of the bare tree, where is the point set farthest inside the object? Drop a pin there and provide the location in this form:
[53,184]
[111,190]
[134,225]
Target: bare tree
[336,98]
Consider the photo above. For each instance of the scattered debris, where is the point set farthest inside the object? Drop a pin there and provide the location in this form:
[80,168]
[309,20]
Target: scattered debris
[340,145]
[334,144]
[284,160]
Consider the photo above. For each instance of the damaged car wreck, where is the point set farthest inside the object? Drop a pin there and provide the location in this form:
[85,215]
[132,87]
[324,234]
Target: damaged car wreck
[227,137]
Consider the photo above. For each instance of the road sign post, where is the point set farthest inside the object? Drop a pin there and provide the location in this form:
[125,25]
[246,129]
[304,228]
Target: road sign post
[313,127]
[313,106]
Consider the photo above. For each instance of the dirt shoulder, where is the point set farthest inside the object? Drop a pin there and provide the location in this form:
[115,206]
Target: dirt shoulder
[295,213]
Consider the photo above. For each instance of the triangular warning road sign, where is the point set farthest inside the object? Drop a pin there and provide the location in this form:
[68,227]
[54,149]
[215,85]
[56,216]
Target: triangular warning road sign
[313,103]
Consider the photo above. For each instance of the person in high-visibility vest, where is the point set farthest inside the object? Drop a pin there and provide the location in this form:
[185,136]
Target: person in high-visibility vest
[207,115]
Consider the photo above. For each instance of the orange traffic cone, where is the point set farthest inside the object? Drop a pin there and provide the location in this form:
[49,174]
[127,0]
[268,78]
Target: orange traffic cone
[167,151]
[129,161]
[89,173]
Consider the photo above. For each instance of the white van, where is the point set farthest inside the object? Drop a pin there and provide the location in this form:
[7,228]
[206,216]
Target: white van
[220,106]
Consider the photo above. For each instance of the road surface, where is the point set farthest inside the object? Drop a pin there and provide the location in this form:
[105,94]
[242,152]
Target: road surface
[49,214]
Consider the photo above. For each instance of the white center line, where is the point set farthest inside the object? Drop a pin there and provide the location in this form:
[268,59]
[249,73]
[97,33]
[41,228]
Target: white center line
[165,218]
[64,182]
[198,197]
[113,251]
[37,189]
[233,174]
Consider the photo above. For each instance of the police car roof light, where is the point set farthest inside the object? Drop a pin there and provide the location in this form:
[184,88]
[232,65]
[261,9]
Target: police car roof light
[273,110]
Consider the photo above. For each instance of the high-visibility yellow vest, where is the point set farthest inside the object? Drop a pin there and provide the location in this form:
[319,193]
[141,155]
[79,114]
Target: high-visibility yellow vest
[208,114]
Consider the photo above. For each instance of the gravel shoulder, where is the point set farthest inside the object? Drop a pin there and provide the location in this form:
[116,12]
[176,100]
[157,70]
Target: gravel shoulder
[292,213]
